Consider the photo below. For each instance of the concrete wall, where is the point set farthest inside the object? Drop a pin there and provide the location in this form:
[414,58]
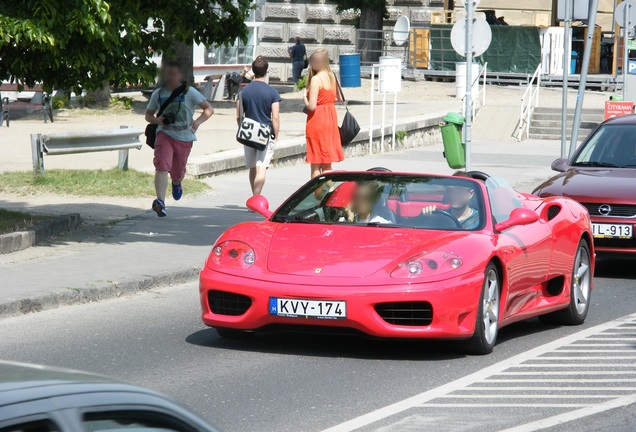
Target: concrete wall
[319,25]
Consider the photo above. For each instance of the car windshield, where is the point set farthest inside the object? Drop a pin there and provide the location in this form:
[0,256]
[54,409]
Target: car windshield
[610,146]
[387,201]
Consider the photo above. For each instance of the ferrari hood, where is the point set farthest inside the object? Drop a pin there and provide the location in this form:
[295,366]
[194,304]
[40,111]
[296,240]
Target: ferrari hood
[592,185]
[344,251]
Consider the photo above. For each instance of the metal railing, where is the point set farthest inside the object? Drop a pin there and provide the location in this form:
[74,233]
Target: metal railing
[480,97]
[529,101]
[64,143]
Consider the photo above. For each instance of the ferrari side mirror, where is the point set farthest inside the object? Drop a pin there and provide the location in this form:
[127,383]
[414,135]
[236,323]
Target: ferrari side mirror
[559,165]
[260,205]
[518,217]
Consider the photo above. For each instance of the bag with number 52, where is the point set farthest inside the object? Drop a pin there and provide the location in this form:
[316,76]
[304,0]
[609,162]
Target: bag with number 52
[250,132]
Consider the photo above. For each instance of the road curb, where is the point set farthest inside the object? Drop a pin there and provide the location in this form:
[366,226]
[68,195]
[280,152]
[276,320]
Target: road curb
[419,131]
[105,290]
[20,240]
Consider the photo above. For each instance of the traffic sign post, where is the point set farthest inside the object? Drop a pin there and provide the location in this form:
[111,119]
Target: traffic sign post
[566,65]
[625,17]
[468,125]
[470,37]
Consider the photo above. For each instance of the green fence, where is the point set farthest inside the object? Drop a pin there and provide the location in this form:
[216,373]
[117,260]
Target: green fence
[513,49]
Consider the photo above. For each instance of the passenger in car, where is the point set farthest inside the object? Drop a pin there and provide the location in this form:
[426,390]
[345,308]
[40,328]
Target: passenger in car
[365,197]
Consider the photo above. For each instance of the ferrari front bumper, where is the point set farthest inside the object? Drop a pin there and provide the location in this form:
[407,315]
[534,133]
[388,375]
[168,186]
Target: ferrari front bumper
[453,302]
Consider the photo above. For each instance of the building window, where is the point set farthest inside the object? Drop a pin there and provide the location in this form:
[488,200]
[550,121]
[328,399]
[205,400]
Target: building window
[238,53]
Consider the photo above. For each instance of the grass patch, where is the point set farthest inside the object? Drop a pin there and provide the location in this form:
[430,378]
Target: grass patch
[11,221]
[111,182]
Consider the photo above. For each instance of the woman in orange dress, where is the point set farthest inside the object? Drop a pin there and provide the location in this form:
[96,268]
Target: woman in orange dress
[322,133]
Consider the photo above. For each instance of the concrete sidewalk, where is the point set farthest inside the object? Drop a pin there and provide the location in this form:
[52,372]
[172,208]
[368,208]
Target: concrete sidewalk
[145,251]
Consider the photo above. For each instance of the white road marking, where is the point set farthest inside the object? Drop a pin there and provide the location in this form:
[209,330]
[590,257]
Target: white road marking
[507,405]
[561,388]
[583,372]
[488,375]
[540,396]
[543,366]
[586,380]
[574,415]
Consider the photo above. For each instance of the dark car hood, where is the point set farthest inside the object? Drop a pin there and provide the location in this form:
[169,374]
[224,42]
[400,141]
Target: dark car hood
[345,251]
[592,185]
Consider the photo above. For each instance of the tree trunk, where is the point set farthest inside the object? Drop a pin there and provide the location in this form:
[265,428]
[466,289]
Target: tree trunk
[372,43]
[99,98]
[183,54]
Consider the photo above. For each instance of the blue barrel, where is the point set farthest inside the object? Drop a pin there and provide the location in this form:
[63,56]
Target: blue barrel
[573,60]
[350,70]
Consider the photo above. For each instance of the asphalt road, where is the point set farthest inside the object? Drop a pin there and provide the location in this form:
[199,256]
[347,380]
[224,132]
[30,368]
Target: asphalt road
[277,382]
[289,382]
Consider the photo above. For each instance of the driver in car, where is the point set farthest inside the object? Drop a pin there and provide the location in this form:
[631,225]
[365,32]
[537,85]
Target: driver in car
[365,197]
[458,197]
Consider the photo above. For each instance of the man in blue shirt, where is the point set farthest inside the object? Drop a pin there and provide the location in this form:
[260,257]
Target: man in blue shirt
[298,53]
[261,102]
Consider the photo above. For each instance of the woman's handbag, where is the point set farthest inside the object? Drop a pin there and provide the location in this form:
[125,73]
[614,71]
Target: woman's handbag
[250,132]
[350,127]
[151,128]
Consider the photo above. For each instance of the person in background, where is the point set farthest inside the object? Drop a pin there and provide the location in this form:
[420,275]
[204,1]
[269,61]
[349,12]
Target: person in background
[298,54]
[176,132]
[234,80]
[323,136]
[261,102]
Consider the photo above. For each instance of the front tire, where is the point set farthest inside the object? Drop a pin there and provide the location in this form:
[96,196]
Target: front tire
[487,324]
[580,291]
[227,333]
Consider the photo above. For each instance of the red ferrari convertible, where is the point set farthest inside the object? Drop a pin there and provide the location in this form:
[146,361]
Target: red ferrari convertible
[401,255]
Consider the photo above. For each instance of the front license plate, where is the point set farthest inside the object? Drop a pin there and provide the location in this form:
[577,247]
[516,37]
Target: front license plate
[612,231]
[317,309]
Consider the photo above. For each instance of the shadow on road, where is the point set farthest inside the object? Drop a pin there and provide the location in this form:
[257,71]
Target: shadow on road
[615,268]
[323,345]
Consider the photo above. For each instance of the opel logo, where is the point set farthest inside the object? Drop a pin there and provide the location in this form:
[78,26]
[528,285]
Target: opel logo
[604,209]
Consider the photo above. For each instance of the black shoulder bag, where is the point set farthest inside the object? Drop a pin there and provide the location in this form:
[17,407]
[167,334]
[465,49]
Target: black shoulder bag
[151,128]
[350,127]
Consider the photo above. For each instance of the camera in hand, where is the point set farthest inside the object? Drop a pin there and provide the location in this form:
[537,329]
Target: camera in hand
[169,118]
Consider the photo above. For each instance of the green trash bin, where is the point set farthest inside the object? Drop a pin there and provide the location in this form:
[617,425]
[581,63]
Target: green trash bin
[454,150]
[616,98]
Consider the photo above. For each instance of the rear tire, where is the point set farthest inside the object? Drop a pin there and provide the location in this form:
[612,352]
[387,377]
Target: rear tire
[227,333]
[487,323]
[580,291]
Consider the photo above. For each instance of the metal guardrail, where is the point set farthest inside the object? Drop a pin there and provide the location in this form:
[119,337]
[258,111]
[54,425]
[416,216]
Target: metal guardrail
[65,143]
[480,98]
[529,101]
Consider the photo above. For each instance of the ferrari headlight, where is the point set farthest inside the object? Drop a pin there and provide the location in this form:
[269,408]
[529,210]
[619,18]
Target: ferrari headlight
[233,253]
[427,264]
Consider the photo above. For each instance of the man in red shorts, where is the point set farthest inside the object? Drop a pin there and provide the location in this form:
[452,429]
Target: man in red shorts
[176,132]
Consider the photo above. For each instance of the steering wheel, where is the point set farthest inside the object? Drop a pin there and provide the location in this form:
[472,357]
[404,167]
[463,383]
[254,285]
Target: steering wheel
[478,175]
[449,216]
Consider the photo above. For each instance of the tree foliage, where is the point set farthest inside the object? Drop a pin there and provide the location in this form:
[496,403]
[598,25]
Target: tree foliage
[80,44]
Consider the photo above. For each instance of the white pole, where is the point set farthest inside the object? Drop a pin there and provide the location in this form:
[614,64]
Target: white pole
[383,119]
[371,110]
[394,119]
[566,69]
[469,80]
[587,52]
[625,48]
